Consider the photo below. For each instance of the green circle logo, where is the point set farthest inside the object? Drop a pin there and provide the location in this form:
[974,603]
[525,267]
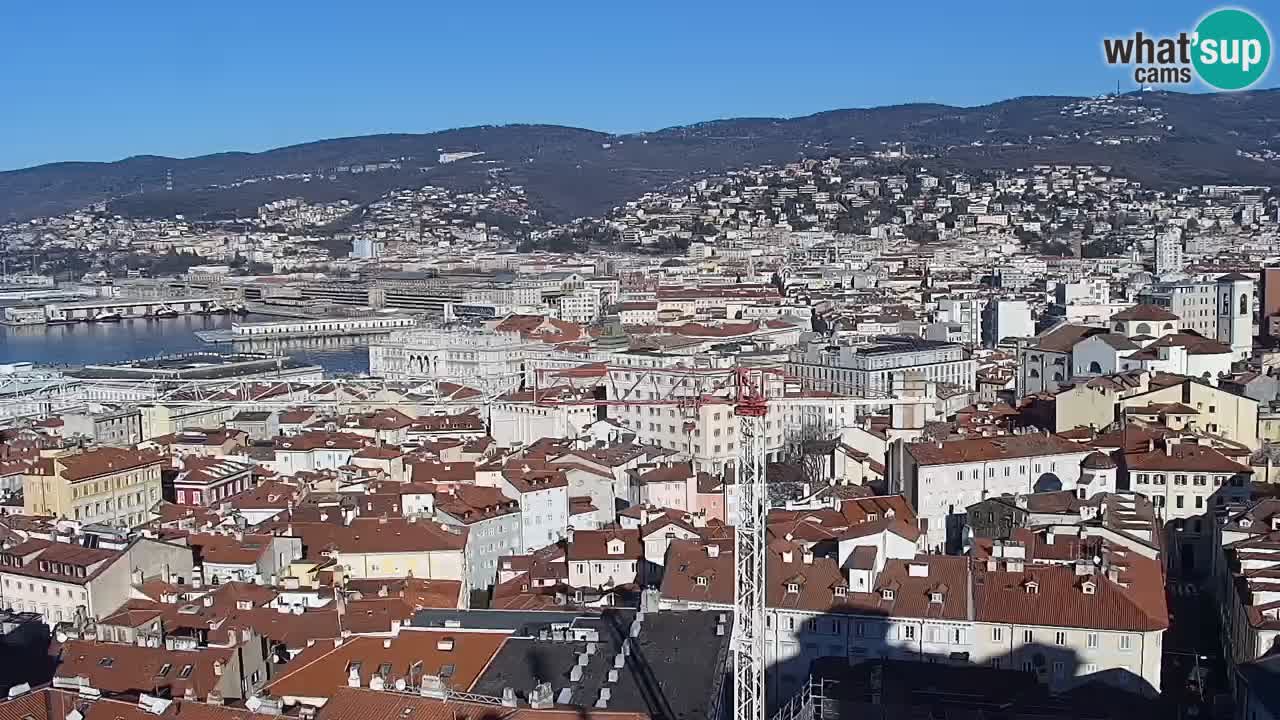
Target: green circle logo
[1232,49]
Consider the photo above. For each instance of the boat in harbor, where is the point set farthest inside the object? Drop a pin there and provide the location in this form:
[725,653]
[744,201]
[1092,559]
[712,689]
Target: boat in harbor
[107,316]
[164,311]
[214,309]
[239,309]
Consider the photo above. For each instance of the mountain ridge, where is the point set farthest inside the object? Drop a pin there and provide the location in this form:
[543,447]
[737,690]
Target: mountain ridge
[571,171]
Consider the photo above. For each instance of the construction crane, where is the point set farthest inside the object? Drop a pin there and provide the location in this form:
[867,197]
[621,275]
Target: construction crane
[749,588]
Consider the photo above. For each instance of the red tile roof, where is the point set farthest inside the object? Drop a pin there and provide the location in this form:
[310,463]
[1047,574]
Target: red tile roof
[987,449]
[319,671]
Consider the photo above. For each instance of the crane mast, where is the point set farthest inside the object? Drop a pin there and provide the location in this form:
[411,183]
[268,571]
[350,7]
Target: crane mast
[749,553]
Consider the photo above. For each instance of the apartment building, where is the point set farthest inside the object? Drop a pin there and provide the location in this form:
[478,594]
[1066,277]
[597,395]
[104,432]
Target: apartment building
[1189,484]
[1247,554]
[60,578]
[943,478]
[604,559]
[493,527]
[1194,303]
[207,481]
[236,556]
[111,486]
[516,419]
[874,369]
[121,427]
[1045,362]
[1028,605]
[382,547]
[542,492]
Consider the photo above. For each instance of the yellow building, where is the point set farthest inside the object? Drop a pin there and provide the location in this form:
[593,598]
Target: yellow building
[111,486]
[1202,408]
[1174,401]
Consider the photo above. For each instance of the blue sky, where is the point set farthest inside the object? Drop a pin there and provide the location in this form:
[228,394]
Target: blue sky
[94,80]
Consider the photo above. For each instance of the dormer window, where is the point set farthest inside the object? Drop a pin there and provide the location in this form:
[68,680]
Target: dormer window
[701,581]
[1245,522]
[793,587]
[872,517]
[1032,587]
[887,593]
[841,591]
[1088,588]
[935,597]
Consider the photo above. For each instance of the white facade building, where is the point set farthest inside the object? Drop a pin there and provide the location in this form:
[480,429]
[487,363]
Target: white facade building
[941,479]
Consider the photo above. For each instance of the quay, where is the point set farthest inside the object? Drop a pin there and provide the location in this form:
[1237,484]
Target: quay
[308,329]
[118,307]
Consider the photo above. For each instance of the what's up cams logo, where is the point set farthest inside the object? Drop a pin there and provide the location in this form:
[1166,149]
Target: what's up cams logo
[1230,49]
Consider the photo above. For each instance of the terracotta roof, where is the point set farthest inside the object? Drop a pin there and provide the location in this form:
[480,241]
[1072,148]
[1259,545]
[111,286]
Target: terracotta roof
[1059,600]
[668,472]
[321,440]
[120,667]
[321,669]
[103,461]
[1194,343]
[267,496]
[986,449]
[52,704]
[418,593]
[474,503]
[358,704]
[210,471]
[1184,457]
[373,535]
[433,471]
[230,550]
[1116,341]
[62,562]
[860,509]
[1146,312]
[594,545]
[465,422]
[1063,337]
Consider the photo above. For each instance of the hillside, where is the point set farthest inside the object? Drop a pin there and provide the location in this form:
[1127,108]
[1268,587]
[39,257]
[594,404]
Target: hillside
[1162,139]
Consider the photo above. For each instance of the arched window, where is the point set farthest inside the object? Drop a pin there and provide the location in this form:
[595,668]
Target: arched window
[1244,304]
[1057,376]
[1035,373]
[1143,329]
[1048,482]
[1168,326]
[1095,367]
[1119,327]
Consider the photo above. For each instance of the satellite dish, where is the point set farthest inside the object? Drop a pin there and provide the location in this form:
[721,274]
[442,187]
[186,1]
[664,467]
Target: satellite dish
[400,684]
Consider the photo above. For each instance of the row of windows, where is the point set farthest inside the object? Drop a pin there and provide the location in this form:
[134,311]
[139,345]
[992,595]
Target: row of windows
[94,488]
[943,634]
[16,585]
[1200,480]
